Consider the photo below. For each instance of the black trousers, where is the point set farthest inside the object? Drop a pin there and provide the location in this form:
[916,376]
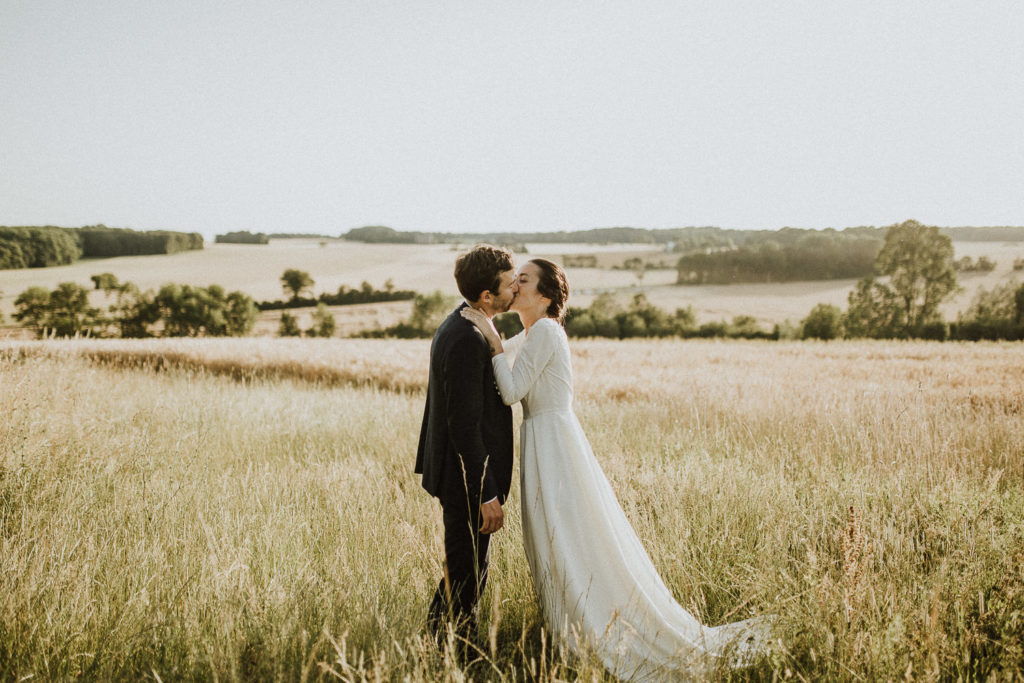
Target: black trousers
[465,560]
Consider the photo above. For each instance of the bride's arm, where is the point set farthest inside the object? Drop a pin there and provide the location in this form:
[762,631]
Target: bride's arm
[513,345]
[534,351]
[537,349]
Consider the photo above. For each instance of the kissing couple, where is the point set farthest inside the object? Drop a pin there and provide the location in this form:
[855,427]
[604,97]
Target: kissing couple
[598,589]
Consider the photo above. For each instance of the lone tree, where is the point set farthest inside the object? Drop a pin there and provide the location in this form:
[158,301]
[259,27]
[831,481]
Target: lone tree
[919,263]
[296,282]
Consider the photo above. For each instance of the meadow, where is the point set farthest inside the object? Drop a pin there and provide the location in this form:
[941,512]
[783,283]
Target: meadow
[246,509]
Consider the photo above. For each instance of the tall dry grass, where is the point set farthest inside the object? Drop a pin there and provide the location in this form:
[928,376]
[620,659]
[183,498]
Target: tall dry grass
[249,511]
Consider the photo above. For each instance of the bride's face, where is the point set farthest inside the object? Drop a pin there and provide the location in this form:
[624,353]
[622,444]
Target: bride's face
[528,299]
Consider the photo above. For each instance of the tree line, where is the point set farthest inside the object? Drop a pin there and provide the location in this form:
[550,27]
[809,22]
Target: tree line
[242,237]
[45,246]
[914,274]
[785,256]
[37,247]
[681,240]
[172,311]
[299,282]
[711,255]
[608,318]
[703,236]
[99,241]
[176,310]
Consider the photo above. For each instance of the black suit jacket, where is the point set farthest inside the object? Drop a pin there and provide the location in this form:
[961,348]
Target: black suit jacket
[465,443]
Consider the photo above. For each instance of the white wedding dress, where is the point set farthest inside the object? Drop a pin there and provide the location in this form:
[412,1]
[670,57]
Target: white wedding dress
[598,588]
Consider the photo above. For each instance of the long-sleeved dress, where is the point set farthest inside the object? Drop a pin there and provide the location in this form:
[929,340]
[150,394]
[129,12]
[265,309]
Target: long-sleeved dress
[598,588]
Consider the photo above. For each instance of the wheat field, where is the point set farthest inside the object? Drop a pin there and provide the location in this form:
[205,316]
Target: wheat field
[246,509]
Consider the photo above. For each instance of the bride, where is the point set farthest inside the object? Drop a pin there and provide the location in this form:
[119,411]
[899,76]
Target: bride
[598,589]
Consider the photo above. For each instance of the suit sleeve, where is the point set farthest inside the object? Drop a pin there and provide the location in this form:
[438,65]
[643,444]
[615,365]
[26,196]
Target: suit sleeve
[533,356]
[464,378]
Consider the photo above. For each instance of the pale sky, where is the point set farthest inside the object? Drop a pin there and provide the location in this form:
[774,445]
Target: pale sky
[311,116]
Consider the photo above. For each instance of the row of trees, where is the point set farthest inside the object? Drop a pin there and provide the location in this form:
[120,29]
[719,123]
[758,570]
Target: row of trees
[172,311]
[37,247]
[993,314]
[382,234]
[607,317]
[44,246]
[914,274]
[183,310]
[788,255]
[916,262]
[242,237]
[297,283]
[99,241]
[681,240]
[966,264]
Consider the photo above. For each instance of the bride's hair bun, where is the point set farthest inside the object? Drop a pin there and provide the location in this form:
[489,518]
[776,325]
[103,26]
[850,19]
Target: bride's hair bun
[554,285]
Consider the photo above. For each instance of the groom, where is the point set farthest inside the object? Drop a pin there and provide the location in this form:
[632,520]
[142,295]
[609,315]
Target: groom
[465,448]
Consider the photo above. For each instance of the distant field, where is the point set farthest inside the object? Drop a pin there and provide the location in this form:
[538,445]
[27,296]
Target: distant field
[255,270]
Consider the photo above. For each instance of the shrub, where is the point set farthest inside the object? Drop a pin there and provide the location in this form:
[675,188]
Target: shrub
[606,327]
[289,326]
[428,311]
[323,323]
[993,314]
[746,326]
[934,331]
[580,324]
[825,321]
[508,325]
[713,329]
[631,325]
[105,281]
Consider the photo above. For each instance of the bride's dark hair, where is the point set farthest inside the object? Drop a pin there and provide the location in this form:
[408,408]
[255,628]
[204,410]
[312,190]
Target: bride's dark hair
[553,284]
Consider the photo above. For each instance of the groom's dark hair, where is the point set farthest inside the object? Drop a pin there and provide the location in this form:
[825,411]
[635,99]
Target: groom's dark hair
[480,269]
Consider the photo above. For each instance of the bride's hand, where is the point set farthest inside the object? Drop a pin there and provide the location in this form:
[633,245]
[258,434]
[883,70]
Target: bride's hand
[484,324]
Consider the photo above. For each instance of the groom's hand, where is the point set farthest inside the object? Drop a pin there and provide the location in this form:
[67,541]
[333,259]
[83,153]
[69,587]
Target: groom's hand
[492,517]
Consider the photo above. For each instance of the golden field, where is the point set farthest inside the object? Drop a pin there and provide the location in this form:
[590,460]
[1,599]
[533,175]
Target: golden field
[246,509]
[256,269]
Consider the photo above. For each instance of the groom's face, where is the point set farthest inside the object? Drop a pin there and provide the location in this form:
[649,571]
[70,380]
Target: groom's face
[502,301]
